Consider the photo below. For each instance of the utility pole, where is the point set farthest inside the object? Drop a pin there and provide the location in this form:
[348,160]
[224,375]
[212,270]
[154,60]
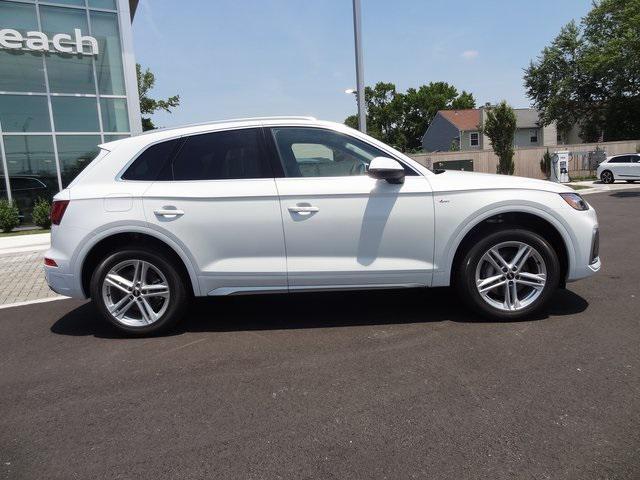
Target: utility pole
[362,114]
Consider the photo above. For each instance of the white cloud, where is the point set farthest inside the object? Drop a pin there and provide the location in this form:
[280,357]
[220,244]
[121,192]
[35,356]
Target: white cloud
[470,54]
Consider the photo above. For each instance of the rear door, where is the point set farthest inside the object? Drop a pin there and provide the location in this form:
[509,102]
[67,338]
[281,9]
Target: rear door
[622,167]
[344,229]
[635,167]
[216,196]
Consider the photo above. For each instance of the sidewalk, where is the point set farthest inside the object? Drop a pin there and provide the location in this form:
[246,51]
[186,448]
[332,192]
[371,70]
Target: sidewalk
[22,270]
[595,186]
[25,243]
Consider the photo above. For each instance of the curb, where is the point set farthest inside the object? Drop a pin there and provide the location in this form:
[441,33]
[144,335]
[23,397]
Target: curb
[31,302]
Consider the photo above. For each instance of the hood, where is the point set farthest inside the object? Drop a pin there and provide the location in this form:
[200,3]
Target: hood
[454,180]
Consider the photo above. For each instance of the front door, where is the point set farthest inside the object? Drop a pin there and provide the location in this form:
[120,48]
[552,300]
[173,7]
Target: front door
[218,199]
[342,228]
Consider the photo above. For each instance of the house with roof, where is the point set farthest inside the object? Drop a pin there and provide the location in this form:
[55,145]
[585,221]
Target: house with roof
[462,130]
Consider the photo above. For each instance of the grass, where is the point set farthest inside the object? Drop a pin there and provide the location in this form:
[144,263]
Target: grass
[24,232]
[579,187]
[582,179]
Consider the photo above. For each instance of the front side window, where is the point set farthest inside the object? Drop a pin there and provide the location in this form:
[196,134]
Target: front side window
[316,152]
[533,136]
[474,139]
[234,154]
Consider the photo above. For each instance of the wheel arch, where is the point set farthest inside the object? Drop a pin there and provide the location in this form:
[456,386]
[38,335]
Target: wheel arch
[117,237]
[535,219]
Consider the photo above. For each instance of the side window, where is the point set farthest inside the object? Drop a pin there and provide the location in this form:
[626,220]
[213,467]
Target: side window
[225,155]
[621,159]
[316,152]
[474,139]
[152,164]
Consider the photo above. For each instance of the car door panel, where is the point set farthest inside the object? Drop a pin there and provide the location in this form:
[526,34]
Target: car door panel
[362,232]
[233,229]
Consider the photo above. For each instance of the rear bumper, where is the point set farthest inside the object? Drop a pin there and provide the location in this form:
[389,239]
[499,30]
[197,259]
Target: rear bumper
[59,279]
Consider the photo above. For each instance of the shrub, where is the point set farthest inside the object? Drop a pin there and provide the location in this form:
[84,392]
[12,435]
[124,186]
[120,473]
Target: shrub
[545,164]
[41,213]
[9,216]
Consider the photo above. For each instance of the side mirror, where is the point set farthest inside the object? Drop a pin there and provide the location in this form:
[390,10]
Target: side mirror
[384,168]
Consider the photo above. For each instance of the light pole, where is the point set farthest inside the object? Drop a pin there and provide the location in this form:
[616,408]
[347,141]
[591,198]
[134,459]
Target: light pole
[362,114]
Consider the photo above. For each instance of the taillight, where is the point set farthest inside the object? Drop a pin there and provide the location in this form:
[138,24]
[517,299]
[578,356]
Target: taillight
[50,262]
[57,211]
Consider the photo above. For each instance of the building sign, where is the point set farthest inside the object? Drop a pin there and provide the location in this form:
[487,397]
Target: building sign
[39,42]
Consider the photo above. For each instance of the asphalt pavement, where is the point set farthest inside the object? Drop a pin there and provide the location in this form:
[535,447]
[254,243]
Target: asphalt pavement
[404,384]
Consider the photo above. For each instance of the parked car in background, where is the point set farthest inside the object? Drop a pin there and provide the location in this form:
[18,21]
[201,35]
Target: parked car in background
[25,190]
[620,167]
[294,204]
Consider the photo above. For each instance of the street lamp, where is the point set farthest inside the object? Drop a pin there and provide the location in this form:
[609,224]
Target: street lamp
[359,92]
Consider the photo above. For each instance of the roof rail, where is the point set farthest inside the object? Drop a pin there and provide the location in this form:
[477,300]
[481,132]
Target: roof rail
[246,119]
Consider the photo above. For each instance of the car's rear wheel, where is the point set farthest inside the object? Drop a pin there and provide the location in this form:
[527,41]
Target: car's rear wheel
[139,292]
[508,274]
[607,177]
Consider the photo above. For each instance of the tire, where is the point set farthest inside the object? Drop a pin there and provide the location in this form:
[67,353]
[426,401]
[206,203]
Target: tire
[162,289]
[540,268]
[607,177]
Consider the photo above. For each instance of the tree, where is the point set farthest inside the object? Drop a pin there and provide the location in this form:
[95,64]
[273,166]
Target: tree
[148,105]
[590,74]
[500,127]
[400,119]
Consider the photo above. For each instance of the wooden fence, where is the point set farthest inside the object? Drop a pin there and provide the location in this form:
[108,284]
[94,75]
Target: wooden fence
[582,159]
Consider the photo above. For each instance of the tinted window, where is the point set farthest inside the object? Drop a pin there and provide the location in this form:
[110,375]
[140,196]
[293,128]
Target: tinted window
[222,156]
[621,159]
[152,164]
[315,152]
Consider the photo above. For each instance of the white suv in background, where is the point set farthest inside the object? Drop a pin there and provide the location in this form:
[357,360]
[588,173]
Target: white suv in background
[620,167]
[294,204]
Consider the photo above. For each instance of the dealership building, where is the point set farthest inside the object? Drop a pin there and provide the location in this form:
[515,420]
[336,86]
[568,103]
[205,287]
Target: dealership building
[67,84]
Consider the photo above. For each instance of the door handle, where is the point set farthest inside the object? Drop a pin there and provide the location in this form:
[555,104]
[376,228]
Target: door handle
[303,210]
[168,212]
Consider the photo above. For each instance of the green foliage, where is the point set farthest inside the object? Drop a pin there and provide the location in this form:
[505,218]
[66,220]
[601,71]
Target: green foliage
[455,145]
[590,74]
[41,213]
[545,164]
[500,127]
[400,119]
[9,216]
[149,105]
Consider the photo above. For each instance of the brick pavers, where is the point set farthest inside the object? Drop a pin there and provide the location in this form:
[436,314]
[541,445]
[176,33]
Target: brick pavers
[22,278]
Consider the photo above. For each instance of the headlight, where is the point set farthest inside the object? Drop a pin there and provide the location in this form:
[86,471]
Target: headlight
[575,201]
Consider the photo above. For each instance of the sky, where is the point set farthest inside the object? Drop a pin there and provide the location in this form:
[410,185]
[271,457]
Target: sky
[238,58]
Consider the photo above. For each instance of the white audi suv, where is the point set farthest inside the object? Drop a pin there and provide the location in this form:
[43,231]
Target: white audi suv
[290,204]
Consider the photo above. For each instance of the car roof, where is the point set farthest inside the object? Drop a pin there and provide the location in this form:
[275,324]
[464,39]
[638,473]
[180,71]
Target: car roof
[156,135]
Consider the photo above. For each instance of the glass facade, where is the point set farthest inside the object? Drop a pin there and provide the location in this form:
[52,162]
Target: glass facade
[59,97]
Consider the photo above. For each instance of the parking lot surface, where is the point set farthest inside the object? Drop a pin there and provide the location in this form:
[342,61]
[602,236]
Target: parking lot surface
[404,384]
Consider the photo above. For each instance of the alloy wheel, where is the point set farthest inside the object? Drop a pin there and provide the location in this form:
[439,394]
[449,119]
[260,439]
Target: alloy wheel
[606,177]
[511,276]
[136,293]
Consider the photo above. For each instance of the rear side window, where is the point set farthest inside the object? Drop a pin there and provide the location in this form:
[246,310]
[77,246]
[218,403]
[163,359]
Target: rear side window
[153,163]
[234,154]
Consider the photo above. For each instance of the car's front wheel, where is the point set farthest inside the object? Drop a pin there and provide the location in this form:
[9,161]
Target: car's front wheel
[139,292]
[509,274]
[607,177]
